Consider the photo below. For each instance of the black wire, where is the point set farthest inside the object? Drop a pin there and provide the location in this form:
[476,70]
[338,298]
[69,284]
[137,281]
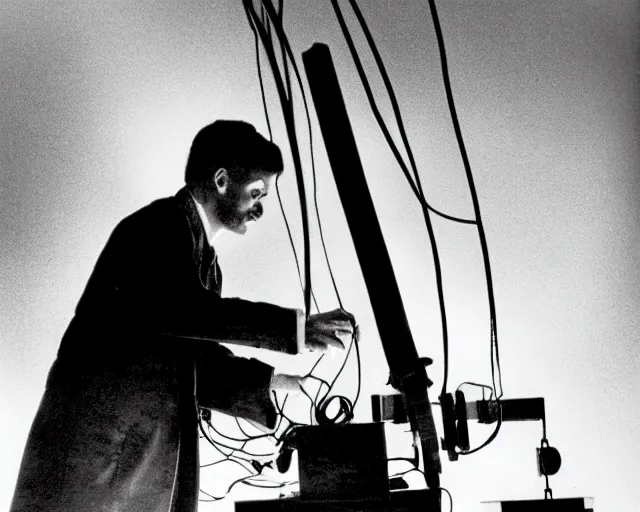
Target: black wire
[322,381]
[266,113]
[228,437]
[474,197]
[227,456]
[450,498]
[342,417]
[346,406]
[276,486]
[262,93]
[216,498]
[244,481]
[483,386]
[318,407]
[313,408]
[396,111]
[246,434]
[344,362]
[288,84]
[285,48]
[356,341]
[439,488]
[295,254]
[392,96]
[285,45]
[407,472]
[287,108]
[260,436]
[281,410]
[263,18]
[226,459]
[239,450]
[289,95]
[401,458]
[320,230]
[280,14]
[276,19]
[489,440]
[319,387]
[369,93]
[417,189]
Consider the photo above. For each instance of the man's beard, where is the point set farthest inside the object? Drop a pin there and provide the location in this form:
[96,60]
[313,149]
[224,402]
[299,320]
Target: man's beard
[229,214]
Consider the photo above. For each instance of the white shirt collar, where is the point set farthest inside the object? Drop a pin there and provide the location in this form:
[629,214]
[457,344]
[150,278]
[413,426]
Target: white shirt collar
[205,220]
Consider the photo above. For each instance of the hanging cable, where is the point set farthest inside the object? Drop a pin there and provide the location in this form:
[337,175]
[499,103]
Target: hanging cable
[218,498]
[313,402]
[489,439]
[293,247]
[417,188]
[346,406]
[287,109]
[495,367]
[450,498]
[266,113]
[262,92]
[226,459]
[482,386]
[286,51]
[285,67]
[235,449]
[397,113]
[276,18]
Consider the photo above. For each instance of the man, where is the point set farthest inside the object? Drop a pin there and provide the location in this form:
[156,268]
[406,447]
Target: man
[117,427]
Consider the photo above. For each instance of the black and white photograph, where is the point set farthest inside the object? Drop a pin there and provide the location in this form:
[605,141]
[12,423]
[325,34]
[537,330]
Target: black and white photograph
[328,256]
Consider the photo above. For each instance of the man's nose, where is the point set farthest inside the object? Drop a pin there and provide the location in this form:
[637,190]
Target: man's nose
[259,210]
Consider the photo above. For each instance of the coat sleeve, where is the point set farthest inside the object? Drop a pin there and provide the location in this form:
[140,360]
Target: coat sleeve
[236,386]
[146,277]
[145,292]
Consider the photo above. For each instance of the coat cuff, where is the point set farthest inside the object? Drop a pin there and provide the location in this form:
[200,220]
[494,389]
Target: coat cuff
[300,330]
[239,387]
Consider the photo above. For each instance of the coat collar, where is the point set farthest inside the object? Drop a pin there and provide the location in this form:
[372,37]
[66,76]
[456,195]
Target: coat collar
[203,255]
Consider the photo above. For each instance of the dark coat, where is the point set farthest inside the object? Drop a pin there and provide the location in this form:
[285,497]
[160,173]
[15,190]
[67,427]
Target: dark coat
[116,430]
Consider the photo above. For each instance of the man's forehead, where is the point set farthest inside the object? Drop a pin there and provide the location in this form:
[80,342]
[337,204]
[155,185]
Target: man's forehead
[260,180]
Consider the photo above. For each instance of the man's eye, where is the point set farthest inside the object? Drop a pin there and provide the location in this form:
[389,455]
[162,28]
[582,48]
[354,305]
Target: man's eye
[255,194]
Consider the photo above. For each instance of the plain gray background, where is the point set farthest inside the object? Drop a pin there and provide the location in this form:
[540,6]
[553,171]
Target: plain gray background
[100,101]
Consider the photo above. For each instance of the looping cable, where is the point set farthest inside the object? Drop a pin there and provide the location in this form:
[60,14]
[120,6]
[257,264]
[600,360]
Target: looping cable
[343,416]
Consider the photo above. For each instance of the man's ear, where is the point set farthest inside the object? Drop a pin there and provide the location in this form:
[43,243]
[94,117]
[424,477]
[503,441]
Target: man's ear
[221,180]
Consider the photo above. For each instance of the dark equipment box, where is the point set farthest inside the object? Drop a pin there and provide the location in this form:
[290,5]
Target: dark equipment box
[422,500]
[342,461]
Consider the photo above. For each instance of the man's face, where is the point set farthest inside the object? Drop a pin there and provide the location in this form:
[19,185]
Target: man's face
[241,203]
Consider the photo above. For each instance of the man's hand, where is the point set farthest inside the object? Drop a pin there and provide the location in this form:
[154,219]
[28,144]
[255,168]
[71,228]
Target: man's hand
[288,383]
[329,329]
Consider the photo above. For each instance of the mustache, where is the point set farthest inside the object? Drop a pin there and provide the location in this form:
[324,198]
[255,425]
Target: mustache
[257,211]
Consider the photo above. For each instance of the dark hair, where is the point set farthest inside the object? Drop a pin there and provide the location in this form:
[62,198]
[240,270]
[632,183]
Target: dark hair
[234,145]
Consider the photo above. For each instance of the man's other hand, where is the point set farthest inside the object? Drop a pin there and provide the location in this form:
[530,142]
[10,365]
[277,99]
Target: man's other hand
[330,329]
[288,383]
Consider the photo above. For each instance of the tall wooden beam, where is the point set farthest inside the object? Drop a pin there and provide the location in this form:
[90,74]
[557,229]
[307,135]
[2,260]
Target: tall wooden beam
[408,372]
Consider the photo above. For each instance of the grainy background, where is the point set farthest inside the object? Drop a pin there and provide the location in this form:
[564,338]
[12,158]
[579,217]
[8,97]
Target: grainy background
[100,101]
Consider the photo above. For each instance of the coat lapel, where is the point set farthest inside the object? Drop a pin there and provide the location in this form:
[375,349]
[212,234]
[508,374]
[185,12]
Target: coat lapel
[203,255]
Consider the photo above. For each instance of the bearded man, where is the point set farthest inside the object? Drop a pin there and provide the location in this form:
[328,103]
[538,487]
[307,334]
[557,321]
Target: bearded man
[116,430]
